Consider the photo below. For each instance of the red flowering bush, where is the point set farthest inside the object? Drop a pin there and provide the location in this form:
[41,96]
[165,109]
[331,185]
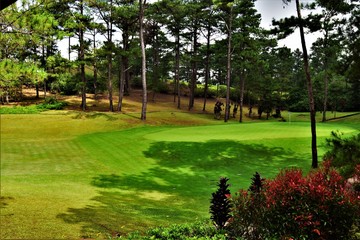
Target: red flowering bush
[316,206]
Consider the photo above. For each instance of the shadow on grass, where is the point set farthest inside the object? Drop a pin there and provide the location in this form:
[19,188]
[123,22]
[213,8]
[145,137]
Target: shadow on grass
[4,201]
[95,115]
[177,188]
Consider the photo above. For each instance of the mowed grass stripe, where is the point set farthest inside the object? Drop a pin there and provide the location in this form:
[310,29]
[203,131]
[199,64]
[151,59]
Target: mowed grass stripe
[45,158]
[120,151]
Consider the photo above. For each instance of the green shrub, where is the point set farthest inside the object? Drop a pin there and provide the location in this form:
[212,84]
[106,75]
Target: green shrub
[293,206]
[162,87]
[20,110]
[344,153]
[248,211]
[199,91]
[51,104]
[197,230]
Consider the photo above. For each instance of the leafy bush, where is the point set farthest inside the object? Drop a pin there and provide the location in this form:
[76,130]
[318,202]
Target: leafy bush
[197,230]
[51,104]
[344,153]
[161,87]
[19,110]
[293,206]
[248,211]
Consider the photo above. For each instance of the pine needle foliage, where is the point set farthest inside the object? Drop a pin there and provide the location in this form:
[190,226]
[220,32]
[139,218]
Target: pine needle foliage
[220,207]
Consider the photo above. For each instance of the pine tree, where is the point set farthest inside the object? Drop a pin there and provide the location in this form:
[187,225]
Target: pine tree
[220,204]
[256,184]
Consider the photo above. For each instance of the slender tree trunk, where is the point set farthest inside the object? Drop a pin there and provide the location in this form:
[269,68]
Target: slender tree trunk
[310,90]
[110,88]
[207,64]
[82,64]
[109,56]
[242,88]
[7,97]
[121,86]
[155,65]
[124,67]
[193,68]
[69,56]
[45,90]
[228,69]
[326,80]
[177,67]
[95,68]
[37,90]
[326,77]
[143,60]
[43,63]
[125,59]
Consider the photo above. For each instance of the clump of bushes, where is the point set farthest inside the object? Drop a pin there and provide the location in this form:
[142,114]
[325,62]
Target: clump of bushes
[198,230]
[48,104]
[319,205]
[19,110]
[51,104]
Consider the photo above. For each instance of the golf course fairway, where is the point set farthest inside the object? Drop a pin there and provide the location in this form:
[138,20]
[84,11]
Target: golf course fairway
[64,176]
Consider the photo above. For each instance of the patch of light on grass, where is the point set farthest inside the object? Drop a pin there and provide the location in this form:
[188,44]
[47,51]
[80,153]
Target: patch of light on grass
[183,170]
[154,195]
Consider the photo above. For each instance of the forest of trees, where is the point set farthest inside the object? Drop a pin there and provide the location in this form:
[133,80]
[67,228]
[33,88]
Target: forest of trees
[181,47]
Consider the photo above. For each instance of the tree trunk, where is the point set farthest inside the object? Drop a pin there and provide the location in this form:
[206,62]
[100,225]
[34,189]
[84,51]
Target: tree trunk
[193,68]
[82,64]
[109,56]
[143,60]
[310,90]
[37,90]
[69,56]
[7,97]
[43,64]
[177,67]
[155,65]
[228,69]
[207,64]
[95,68]
[125,59]
[45,90]
[242,87]
[326,80]
[121,86]
[326,77]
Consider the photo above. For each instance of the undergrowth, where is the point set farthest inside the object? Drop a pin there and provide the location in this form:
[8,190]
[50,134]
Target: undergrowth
[199,230]
[48,104]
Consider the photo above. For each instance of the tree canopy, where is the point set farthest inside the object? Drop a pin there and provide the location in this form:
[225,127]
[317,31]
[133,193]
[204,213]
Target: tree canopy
[191,48]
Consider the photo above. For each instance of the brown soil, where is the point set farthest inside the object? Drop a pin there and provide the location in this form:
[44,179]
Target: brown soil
[131,104]
[162,105]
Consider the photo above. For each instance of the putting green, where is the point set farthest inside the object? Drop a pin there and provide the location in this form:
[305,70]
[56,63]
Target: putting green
[246,131]
[69,177]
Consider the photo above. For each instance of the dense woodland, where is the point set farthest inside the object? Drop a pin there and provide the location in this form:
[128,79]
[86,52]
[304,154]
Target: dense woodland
[183,47]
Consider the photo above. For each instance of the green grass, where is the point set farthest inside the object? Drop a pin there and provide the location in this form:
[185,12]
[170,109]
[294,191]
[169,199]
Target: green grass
[77,175]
